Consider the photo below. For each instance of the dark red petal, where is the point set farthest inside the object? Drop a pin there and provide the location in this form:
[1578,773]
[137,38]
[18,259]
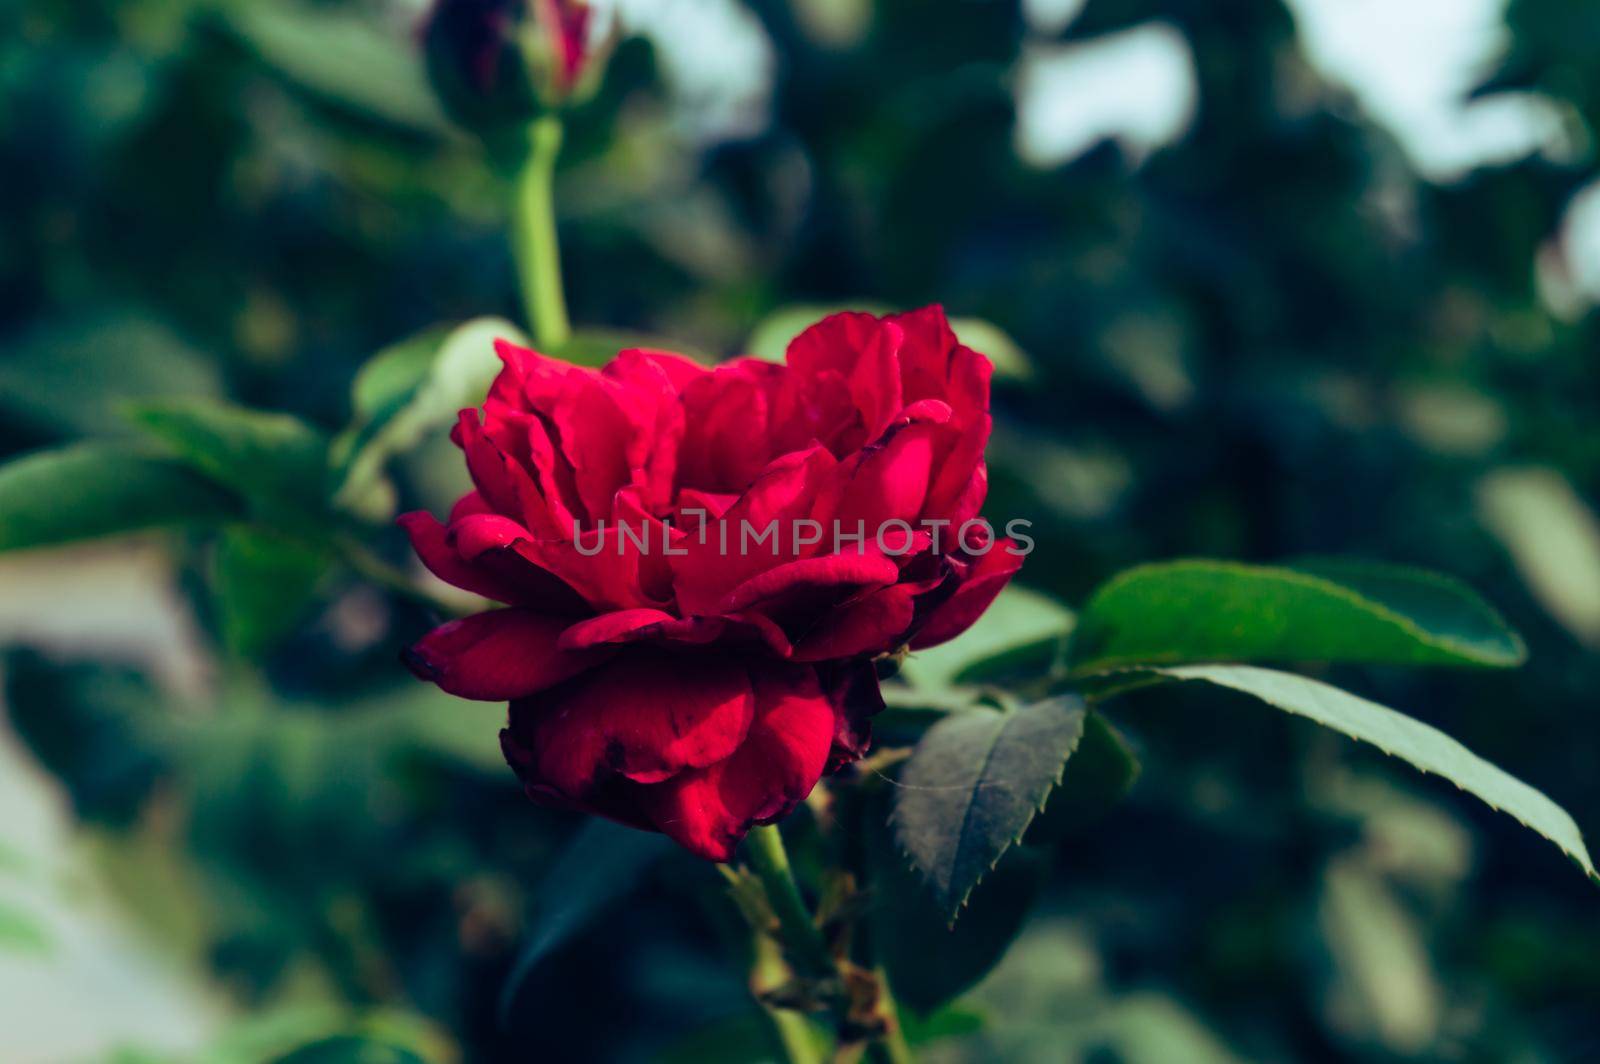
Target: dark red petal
[827,571]
[646,715]
[853,690]
[718,558]
[886,482]
[872,623]
[988,575]
[626,626]
[498,655]
[709,810]
[429,540]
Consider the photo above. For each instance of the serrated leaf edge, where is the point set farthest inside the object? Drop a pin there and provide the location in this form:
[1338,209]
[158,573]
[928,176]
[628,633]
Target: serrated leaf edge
[966,895]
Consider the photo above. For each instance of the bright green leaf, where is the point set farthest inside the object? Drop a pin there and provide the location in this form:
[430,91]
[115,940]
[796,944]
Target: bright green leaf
[974,784]
[1395,733]
[275,460]
[412,388]
[1022,629]
[92,490]
[265,582]
[1196,611]
[770,338]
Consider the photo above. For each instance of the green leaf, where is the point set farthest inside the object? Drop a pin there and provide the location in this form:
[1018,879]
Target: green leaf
[973,785]
[91,490]
[412,388]
[1195,611]
[1021,630]
[71,377]
[265,582]
[345,57]
[928,961]
[275,460]
[771,337]
[1100,773]
[603,862]
[1396,734]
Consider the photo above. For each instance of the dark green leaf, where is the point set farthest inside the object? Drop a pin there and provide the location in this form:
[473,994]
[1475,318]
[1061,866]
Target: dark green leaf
[1022,630]
[928,961]
[1099,774]
[71,377]
[275,460]
[99,490]
[1197,611]
[1399,735]
[973,785]
[265,582]
[601,865]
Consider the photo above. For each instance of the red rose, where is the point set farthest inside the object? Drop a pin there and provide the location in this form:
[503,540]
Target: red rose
[699,565]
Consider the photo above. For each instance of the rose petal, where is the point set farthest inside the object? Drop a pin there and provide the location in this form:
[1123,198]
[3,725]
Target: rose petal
[826,571]
[498,655]
[646,715]
[709,810]
[626,626]
[989,574]
[872,623]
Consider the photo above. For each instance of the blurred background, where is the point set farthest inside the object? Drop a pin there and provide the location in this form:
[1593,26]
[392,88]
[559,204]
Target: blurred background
[1291,278]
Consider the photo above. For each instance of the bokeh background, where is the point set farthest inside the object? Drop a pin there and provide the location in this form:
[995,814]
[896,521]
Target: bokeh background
[1302,278]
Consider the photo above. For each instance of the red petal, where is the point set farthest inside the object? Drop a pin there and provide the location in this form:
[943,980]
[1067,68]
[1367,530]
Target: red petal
[626,626]
[718,558]
[647,715]
[497,656]
[827,571]
[709,810]
[988,576]
[871,624]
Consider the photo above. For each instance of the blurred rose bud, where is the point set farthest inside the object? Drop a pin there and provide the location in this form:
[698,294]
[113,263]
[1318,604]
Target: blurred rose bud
[499,63]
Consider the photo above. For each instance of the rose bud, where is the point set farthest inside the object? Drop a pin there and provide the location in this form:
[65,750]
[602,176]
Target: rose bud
[501,63]
[699,566]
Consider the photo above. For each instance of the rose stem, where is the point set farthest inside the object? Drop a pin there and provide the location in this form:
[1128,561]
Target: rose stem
[801,1041]
[763,848]
[533,234]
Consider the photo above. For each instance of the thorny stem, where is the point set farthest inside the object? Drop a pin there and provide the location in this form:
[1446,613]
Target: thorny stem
[763,848]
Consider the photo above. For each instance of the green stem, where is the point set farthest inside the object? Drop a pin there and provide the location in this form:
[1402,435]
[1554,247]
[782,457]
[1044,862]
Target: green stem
[763,848]
[533,218]
[799,1039]
[894,1047]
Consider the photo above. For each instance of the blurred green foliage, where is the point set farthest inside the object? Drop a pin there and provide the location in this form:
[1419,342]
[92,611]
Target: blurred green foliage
[1270,340]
